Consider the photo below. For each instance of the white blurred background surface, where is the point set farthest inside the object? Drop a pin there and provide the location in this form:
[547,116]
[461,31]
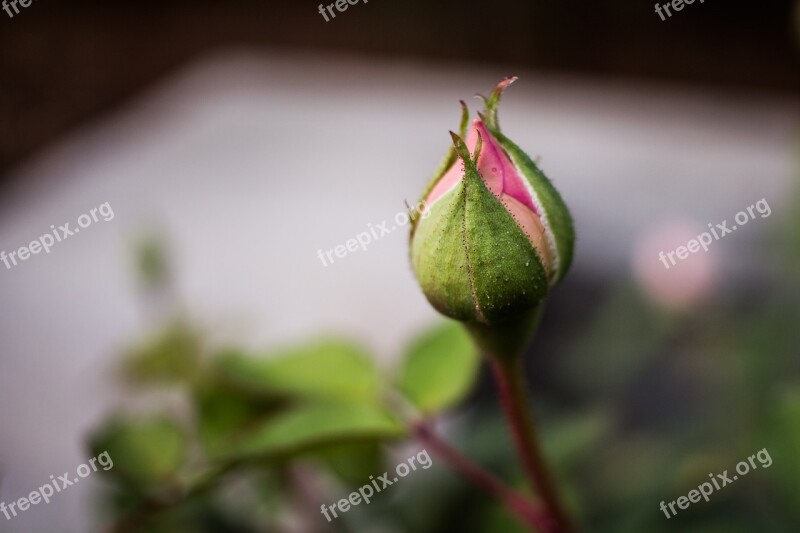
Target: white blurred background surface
[250,163]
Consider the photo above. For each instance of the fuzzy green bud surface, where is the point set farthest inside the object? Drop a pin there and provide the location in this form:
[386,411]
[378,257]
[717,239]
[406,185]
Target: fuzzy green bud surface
[496,236]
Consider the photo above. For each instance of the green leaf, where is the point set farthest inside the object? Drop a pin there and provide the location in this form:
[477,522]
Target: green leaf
[326,369]
[353,462]
[315,425]
[224,414]
[145,453]
[439,368]
[171,356]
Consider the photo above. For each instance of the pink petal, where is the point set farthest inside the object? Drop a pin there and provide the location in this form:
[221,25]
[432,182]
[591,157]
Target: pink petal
[498,171]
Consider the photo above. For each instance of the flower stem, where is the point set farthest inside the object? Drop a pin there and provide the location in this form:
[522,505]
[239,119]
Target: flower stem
[515,503]
[509,377]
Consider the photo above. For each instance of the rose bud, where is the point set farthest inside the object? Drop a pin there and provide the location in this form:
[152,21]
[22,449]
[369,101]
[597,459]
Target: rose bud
[496,236]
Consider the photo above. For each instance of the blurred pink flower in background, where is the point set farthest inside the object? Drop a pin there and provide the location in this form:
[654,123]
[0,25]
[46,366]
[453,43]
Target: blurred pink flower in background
[687,283]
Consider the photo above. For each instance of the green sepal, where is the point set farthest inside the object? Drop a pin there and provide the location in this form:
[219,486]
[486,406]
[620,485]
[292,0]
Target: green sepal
[449,160]
[473,261]
[506,340]
[556,213]
[491,104]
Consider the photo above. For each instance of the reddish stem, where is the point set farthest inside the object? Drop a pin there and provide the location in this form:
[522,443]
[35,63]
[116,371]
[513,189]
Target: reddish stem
[509,377]
[514,502]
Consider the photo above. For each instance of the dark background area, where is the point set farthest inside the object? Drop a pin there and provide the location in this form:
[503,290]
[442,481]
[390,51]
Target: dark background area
[64,63]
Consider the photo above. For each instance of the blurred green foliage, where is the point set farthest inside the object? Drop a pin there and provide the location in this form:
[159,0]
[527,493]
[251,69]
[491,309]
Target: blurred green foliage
[334,369]
[645,404]
[439,369]
[148,453]
[258,423]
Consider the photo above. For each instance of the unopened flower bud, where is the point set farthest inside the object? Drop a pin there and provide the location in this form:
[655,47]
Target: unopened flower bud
[496,236]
